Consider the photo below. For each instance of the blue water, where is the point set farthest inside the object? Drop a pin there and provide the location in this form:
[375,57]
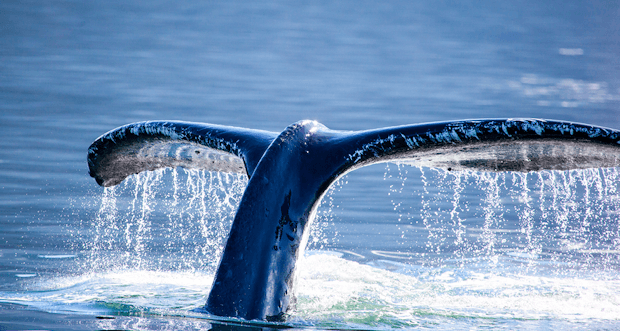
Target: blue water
[393,247]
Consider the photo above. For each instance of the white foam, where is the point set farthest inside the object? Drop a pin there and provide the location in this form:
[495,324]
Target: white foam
[330,286]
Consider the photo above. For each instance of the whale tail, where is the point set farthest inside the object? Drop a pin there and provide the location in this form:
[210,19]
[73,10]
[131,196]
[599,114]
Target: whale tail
[483,145]
[289,172]
[143,146]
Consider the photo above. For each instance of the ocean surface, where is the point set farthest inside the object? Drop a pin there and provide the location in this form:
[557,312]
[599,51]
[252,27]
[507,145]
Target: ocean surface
[393,246]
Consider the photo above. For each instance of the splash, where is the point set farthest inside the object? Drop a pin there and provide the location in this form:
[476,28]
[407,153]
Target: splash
[169,219]
[475,249]
[563,222]
[568,219]
[338,293]
[322,231]
[454,246]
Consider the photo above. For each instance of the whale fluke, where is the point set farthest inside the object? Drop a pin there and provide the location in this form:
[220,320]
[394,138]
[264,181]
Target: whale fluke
[142,146]
[289,173]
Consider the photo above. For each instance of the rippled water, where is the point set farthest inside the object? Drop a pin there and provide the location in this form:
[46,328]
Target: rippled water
[393,246]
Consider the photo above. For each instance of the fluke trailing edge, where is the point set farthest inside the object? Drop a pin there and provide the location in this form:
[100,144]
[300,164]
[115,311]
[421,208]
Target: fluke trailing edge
[289,172]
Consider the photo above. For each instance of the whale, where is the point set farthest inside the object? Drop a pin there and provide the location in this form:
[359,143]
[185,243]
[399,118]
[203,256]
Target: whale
[289,172]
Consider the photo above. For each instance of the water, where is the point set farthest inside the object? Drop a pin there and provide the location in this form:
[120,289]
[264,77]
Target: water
[395,247]
[472,249]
